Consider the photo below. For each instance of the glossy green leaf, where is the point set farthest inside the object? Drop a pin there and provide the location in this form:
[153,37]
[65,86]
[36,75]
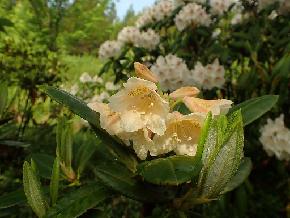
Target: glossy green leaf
[118,177]
[77,202]
[254,108]
[33,190]
[241,175]
[282,68]
[227,160]
[54,182]
[171,170]
[74,104]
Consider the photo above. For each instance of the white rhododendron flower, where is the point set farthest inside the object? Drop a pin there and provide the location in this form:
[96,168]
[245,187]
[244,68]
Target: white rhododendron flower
[145,18]
[182,135]
[216,107]
[86,78]
[218,7]
[275,138]
[110,86]
[101,97]
[148,39]
[192,15]
[140,106]
[97,79]
[209,76]
[239,18]
[110,49]
[171,71]
[129,35]
[162,9]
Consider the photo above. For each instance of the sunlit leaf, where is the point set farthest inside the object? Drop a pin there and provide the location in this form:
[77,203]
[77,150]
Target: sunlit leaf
[241,175]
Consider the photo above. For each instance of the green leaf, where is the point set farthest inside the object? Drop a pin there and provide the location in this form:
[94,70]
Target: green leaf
[12,198]
[74,104]
[254,108]
[282,68]
[241,175]
[44,163]
[227,160]
[54,182]
[33,190]
[117,176]
[170,171]
[14,143]
[3,96]
[77,202]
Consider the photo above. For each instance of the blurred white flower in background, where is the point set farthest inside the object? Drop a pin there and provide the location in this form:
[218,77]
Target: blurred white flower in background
[209,76]
[275,138]
[239,18]
[98,79]
[86,78]
[74,89]
[219,7]
[216,33]
[148,39]
[101,97]
[110,49]
[110,86]
[171,71]
[129,34]
[145,18]
[273,15]
[192,15]
[157,12]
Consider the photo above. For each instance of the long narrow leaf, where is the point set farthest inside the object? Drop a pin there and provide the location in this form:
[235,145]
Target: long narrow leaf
[255,108]
[33,190]
[54,182]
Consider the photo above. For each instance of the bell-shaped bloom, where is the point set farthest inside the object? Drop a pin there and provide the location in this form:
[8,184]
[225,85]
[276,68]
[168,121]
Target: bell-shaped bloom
[140,106]
[144,73]
[217,107]
[182,92]
[109,120]
[182,135]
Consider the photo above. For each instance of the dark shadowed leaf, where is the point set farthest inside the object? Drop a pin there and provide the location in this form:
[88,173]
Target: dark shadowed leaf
[254,108]
[170,171]
[77,202]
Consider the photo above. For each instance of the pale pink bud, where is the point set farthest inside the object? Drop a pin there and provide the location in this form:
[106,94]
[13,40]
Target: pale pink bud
[144,73]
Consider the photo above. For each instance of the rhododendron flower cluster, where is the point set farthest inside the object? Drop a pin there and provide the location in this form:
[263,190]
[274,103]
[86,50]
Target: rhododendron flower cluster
[209,76]
[171,72]
[110,49]
[275,138]
[142,116]
[192,15]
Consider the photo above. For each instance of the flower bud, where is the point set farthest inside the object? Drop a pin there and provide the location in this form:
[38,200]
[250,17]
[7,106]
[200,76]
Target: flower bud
[188,91]
[217,107]
[144,73]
